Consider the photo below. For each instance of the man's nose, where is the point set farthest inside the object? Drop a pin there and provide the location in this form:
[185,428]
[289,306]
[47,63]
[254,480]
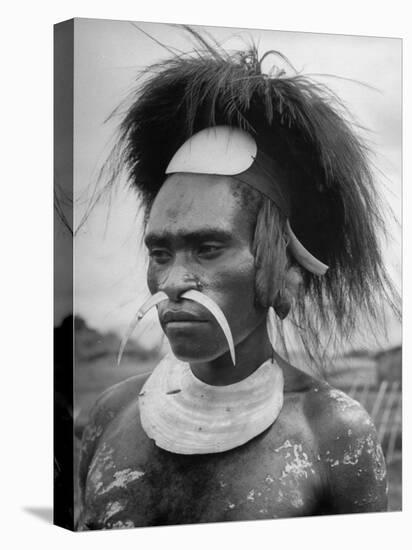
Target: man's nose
[178,280]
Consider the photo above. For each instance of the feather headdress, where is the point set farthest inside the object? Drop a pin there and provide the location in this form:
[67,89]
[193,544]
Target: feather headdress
[299,123]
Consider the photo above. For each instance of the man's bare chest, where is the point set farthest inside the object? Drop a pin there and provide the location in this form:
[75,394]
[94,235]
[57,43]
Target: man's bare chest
[133,483]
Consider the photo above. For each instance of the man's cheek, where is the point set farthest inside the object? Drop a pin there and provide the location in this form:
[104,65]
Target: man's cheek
[238,284]
[236,298]
[153,279]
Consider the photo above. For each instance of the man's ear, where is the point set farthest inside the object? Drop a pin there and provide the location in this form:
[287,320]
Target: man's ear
[285,297]
[293,281]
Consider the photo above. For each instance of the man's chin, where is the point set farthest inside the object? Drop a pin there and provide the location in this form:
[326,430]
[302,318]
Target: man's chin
[189,357]
[194,356]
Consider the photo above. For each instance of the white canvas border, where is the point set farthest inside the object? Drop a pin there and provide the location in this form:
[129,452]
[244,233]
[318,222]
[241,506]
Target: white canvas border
[27,267]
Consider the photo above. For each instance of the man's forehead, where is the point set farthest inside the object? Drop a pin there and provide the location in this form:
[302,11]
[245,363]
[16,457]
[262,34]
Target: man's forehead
[194,203]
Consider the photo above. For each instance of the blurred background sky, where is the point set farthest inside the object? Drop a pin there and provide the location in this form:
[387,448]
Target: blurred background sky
[110,263]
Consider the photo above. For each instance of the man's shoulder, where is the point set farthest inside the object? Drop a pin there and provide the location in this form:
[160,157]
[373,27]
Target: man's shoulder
[329,412]
[333,414]
[108,405]
[349,450]
[116,397]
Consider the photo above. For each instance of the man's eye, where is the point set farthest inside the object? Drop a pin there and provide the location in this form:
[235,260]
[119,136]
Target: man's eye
[209,251]
[160,256]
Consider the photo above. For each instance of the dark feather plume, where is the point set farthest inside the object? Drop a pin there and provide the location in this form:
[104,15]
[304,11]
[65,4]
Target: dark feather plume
[299,122]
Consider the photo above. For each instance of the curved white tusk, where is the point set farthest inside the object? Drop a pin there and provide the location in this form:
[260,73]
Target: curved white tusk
[151,302]
[215,310]
[303,256]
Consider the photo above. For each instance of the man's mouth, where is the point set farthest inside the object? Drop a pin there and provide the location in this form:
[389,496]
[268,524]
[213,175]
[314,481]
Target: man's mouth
[180,317]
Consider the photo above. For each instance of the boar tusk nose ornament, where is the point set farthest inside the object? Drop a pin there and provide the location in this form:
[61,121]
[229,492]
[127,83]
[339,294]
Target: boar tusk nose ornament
[193,295]
[151,302]
[217,313]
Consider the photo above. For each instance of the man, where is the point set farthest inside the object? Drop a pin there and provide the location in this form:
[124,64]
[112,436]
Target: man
[259,204]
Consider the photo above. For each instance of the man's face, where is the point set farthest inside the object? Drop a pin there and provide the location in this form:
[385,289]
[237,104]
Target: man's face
[197,231]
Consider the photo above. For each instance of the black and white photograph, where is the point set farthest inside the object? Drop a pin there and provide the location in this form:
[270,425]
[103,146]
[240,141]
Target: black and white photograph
[227,274]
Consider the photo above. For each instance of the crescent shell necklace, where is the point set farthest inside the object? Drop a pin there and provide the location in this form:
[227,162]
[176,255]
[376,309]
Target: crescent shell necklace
[184,415]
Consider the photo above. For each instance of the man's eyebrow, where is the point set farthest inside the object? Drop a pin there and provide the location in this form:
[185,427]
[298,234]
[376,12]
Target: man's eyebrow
[164,237]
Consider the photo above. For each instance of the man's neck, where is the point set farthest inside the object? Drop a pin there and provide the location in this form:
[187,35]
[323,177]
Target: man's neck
[251,352]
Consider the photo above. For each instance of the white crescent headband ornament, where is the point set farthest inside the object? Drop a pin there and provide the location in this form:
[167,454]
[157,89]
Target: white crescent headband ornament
[234,152]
